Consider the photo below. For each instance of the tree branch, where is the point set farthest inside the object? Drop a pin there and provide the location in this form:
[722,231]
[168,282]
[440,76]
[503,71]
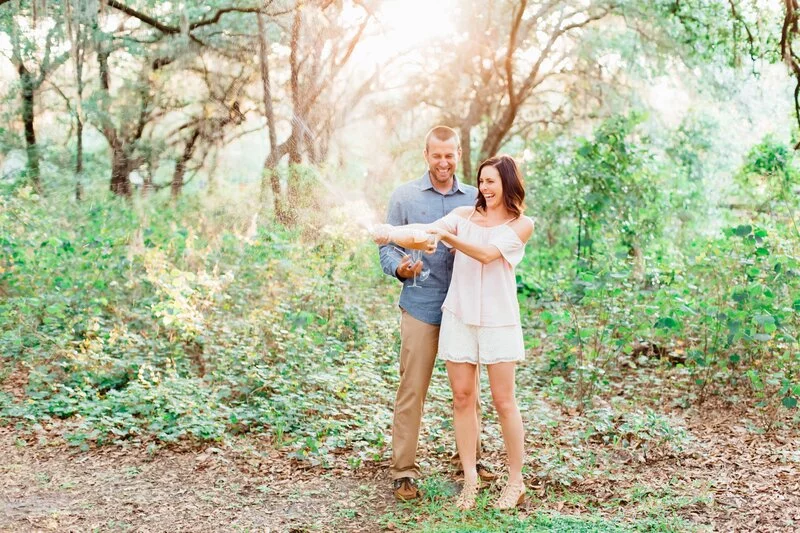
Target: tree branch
[512,46]
[172,30]
[738,18]
[150,21]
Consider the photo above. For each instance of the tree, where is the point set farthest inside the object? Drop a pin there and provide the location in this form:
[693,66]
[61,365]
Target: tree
[33,66]
[528,65]
[316,60]
[209,117]
[171,43]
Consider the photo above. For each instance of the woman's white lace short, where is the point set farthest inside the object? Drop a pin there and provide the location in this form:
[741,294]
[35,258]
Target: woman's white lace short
[462,343]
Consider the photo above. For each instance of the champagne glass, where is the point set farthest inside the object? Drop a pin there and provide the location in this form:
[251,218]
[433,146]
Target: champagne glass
[415,255]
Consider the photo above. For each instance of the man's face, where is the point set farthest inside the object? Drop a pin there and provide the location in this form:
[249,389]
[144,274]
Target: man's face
[442,158]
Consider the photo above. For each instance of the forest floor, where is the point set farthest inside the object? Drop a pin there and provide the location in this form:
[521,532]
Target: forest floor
[731,478]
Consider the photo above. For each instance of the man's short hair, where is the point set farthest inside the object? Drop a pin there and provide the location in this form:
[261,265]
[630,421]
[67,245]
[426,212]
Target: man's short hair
[443,133]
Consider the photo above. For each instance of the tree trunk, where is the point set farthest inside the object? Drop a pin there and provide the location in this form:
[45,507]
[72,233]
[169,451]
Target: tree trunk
[497,133]
[102,61]
[295,138]
[180,167]
[270,174]
[79,158]
[637,258]
[466,154]
[79,44]
[32,149]
[120,172]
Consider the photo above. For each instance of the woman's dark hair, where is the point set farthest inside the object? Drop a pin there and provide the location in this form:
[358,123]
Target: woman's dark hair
[511,178]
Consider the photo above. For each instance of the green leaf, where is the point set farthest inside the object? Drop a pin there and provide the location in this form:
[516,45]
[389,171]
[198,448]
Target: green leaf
[763,319]
[740,296]
[743,230]
[666,322]
[790,402]
[762,252]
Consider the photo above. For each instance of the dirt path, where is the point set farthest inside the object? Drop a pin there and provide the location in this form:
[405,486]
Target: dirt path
[731,478]
[113,489]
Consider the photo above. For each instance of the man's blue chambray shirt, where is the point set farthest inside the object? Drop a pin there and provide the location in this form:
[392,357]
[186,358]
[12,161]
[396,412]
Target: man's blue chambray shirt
[418,202]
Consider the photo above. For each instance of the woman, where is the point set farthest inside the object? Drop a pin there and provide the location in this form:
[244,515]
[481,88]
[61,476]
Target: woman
[480,322]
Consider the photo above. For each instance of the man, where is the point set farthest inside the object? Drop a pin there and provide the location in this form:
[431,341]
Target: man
[422,201]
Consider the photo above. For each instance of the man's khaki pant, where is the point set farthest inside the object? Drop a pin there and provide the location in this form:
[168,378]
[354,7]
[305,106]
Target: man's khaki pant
[419,344]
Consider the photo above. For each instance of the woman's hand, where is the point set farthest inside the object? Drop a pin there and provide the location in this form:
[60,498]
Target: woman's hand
[439,235]
[380,234]
[406,236]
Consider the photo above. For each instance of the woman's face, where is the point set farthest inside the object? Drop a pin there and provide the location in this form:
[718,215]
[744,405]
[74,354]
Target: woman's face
[491,186]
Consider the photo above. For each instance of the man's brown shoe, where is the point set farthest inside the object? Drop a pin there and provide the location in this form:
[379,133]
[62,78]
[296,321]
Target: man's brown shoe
[405,488]
[485,473]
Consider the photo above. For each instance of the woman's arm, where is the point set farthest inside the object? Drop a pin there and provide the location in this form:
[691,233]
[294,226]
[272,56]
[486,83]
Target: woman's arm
[411,236]
[523,227]
[484,254]
[417,236]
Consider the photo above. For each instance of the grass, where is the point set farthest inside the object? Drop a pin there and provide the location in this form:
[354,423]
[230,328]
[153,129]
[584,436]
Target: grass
[435,513]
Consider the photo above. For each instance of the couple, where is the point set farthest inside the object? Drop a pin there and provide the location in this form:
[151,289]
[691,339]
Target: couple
[470,319]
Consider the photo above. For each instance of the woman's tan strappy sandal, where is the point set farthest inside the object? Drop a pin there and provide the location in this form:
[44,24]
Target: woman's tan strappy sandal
[511,496]
[469,492]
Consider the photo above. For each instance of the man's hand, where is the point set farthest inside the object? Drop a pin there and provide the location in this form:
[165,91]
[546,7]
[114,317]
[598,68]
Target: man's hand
[407,270]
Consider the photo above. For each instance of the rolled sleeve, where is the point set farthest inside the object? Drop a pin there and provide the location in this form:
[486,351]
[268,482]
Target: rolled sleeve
[390,260]
[449,223]
[511,247]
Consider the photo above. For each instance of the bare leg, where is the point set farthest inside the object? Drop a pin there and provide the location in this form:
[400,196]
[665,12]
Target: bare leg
[501,381]
[465,417]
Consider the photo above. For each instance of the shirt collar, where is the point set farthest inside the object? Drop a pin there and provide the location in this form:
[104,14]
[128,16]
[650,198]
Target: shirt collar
[427,184]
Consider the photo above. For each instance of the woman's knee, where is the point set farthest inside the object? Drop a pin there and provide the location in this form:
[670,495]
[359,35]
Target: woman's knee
[464,398]
[505,405]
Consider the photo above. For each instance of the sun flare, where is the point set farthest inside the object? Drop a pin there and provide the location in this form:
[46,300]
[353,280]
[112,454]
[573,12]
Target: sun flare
[407,25]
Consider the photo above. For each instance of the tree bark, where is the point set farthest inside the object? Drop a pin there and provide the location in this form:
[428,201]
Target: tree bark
[298,119]
[295,137]
[180,167]
[497,133]
[270,174]
[79,45]
[28,87]
[120,172]
[466,154]
[79,159]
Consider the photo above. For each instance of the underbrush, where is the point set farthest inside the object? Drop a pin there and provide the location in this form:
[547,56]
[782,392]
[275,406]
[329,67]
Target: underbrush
[133,324]
[721,315]
[148,324]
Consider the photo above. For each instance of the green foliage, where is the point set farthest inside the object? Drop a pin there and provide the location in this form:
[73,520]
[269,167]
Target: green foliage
[600,193]
[709,31]
[134,325]
[726,310]
[769,173]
